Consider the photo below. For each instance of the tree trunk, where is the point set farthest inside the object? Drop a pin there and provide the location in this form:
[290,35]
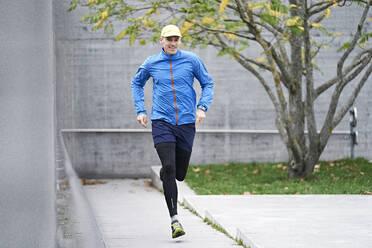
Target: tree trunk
[303,167]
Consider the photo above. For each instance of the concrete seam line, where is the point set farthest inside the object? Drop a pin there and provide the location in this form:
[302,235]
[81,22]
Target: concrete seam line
[231,131]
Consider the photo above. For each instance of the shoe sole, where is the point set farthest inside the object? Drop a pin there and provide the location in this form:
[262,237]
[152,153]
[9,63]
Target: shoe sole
[178,233]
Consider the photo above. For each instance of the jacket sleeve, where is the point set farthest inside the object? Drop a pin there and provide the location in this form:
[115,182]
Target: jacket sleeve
[138,82]
[206,83]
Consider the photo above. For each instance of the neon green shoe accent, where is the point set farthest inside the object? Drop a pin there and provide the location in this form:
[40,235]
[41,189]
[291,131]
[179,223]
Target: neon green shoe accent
[177,230]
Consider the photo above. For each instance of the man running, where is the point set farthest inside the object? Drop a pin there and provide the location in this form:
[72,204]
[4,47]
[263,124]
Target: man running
[174,112]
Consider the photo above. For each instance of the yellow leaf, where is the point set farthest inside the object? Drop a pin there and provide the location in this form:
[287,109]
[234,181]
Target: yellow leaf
[104,14]
[147,23]
[327,12]
[276,14]
[260,60]
[370,19]
[258,5]
[208,20]
[98,24]
[91,1]
[223,5]
[231,36]
[185,27]
[292,21]
[292,6]
[150,11]
[121,35]
[301,28]
[142,42]
[363,45]
[316,25]
[326,47]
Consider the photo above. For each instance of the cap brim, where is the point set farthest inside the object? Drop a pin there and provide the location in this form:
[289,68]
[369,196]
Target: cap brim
[170,35]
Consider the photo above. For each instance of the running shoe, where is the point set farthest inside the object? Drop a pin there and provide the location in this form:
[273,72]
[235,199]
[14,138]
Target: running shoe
[177,229]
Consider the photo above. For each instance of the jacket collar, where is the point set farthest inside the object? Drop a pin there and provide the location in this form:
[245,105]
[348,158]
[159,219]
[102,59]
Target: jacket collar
[174,56]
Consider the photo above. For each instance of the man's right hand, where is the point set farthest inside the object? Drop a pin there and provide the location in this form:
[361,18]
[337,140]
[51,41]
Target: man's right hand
[142,119]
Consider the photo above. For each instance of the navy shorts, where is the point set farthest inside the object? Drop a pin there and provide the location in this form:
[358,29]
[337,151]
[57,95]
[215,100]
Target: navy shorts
[182,135]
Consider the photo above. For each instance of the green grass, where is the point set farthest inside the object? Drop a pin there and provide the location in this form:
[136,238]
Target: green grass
[332,177]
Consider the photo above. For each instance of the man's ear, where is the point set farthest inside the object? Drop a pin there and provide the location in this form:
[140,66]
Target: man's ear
[161,40]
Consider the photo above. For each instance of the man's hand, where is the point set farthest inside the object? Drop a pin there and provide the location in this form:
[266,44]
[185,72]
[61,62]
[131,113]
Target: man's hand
[142,119]
[200,115]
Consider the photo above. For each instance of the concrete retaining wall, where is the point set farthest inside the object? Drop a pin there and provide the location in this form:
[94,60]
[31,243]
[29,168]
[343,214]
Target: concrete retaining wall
[27,104]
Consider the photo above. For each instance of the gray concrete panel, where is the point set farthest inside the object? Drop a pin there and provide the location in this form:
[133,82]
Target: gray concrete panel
[27,94]
[93,91]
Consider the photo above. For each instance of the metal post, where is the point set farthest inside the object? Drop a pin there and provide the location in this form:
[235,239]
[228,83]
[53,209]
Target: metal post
[353,134]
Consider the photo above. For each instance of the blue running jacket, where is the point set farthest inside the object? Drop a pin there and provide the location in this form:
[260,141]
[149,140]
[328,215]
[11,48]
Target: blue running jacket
[174,98]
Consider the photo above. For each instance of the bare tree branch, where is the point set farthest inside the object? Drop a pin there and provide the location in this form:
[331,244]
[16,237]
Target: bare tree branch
[350,101]
[357,61]
[328,123]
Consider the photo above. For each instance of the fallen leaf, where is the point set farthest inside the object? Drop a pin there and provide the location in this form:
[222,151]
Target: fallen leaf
[285,168]
[353,169]
[279,166]
[246,193]
[92,182]
[147,183]
[207,172]
[256,171]
[331,164]
[367,192]
[362,173]
[197,169]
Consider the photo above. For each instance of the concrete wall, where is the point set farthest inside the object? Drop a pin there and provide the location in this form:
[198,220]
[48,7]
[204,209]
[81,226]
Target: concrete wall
[93,91]
[27,103]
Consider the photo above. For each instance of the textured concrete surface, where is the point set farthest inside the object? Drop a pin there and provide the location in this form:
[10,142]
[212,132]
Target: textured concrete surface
[27,96]
[131,213]
[285,221]
[120,154]
[93,85]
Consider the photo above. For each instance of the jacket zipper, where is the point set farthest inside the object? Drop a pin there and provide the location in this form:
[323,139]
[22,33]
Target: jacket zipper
[174,92]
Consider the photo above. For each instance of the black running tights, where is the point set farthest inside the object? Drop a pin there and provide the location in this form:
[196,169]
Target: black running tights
[175,162]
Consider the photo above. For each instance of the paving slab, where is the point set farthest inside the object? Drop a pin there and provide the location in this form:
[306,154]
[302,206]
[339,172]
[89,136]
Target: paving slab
[131,213]
[285,221]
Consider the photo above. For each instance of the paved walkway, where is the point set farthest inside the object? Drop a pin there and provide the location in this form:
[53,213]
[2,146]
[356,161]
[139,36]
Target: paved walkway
[133,214]
[286,221]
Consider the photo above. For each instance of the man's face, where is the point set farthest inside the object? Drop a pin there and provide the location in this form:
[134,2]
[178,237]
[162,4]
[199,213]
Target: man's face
[170,44]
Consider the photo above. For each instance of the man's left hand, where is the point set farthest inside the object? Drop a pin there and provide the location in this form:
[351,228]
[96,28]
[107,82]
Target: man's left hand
[200,115]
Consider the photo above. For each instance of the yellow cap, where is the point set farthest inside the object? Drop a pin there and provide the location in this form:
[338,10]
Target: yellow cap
[170,30]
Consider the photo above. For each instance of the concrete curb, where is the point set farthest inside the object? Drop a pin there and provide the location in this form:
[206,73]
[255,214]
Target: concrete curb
[245,240]
[82,211]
